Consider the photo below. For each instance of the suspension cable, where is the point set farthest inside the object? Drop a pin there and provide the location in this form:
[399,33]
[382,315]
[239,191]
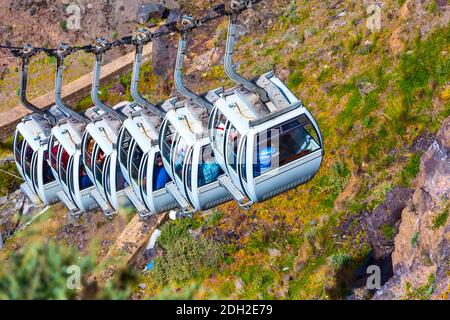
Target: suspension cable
[237,7]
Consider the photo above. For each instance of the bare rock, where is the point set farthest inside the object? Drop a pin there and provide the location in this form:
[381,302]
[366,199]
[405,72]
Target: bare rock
[422,246]
[382,224]
[442,3]
[273,253]
[164,53]
[365,87]
[149,11]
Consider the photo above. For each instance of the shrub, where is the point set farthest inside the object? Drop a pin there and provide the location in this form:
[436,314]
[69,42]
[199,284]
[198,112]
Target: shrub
[295,78]
[411,170]
[339,260]
[63,25]
[184,257]
[388,231]
[440,219]
[415,239]
[423,292]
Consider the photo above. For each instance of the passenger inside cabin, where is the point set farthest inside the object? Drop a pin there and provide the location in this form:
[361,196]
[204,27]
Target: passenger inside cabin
[64,159]
[121,183]
[160,176]
[90,149]
[264,160]
[48,176]
[208,170]
[101,157]
[85,181]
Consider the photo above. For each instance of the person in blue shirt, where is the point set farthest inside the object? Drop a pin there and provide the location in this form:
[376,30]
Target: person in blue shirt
[208,170]
[264,160]
[160,176]
[85,181]
[208,173]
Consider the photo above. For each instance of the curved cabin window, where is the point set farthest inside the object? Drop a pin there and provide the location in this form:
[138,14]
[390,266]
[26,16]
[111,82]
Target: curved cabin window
[160,175]
[18,144]
[144,176]
[28,151]
[54,147]
[189,170]
[232,147]
[121,183]
[124,147]
[108,178]
[36,173]
[88,151]
[208,169]
[135,163]
[85,181]
[167,141]
[47,171]
[219,131]
[283,144]
[179,156]
[64,165]
[99,164]
[244,160]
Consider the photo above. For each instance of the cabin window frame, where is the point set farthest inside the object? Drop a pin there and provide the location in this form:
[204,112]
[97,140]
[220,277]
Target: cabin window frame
[132,166]
[304,121]
[95,166]
[215,145]
[232,153]
[16,151]
[166,149]
[88,165]
[121,148]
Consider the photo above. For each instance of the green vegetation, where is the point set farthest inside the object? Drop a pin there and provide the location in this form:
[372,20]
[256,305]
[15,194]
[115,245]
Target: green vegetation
[339,260]
[440,220]
[114,35]
[10,179]
[44,270]
[388,231]
[370,104]
[39,272]
[185,257]
[411,169]
[63,25]
[415,239]
[423,292]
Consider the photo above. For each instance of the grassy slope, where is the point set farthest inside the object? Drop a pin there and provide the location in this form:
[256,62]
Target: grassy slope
[289,247]
[367,139]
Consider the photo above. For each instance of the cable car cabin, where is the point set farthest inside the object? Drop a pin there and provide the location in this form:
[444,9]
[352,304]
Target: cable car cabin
[31,153]
[269,148]
[141,163]
[101,160]
[67,166]
[188,157]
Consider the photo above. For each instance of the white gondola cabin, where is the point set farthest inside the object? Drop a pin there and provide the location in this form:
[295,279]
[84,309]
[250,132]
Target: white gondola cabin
[30,153]
[185,146]
[139,155]
[99,152]
[31,140]
[264,138]
[64,151]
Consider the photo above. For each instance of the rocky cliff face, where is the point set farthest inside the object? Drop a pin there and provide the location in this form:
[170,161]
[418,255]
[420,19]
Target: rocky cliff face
[422,247]
[48,23]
